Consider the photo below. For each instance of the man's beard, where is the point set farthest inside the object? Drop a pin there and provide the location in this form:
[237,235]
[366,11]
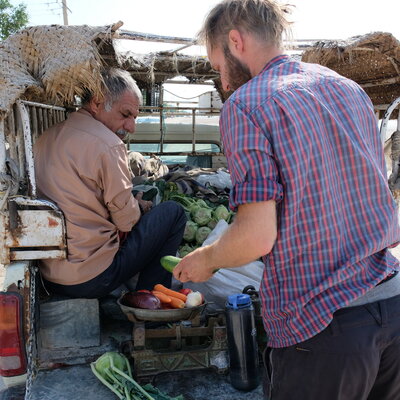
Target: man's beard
[238,73]
[122,134]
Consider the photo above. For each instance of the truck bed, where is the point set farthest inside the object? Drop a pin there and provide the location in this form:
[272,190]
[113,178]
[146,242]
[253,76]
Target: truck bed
[66,374]
[78,382]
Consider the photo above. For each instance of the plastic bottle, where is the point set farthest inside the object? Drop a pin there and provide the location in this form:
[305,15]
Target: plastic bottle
[242,343]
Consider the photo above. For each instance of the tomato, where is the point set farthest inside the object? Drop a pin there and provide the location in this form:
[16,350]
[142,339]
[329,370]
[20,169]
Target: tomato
[186,291]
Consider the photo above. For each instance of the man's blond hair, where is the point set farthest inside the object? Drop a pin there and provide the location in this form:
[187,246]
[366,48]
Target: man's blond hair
[265,19]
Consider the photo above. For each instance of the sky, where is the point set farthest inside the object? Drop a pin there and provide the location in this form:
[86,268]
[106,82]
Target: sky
[313,19]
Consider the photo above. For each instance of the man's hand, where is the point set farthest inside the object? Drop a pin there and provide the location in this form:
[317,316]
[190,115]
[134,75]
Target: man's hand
[195,267]
[145,205]
[251,236]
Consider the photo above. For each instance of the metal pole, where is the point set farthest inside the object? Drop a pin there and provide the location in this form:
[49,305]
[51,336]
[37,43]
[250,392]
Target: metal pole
[3,167]
[28,146]
[65,14]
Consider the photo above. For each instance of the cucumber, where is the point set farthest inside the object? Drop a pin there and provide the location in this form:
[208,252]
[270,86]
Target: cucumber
[170,262]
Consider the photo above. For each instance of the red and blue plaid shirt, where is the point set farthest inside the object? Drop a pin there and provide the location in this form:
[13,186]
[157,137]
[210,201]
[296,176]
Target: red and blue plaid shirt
[306,137]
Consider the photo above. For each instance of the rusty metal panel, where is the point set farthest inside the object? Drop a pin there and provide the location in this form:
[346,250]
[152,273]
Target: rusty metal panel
[39,254]
[37,228]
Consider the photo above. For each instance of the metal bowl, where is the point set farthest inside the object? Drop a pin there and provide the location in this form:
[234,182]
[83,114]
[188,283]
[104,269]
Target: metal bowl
[178,314]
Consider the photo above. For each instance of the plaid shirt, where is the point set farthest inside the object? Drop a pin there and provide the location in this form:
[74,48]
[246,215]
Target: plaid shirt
[306,137]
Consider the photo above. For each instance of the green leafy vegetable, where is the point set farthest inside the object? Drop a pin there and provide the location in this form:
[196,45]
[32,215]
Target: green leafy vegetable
[114,371]
[202,203]
[103,363]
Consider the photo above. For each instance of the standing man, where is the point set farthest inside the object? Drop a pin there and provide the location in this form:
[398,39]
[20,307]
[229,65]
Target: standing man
[81,164]
[311,193]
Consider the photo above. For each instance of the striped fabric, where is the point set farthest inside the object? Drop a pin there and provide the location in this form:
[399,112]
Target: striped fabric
[307,137]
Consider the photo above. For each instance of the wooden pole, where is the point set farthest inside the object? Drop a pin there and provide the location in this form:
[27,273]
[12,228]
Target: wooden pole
[65,14]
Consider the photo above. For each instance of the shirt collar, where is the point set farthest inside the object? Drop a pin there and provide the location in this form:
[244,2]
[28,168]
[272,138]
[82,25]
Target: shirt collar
[275,62]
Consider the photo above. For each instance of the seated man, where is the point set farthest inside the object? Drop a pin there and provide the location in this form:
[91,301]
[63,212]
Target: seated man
[81,164]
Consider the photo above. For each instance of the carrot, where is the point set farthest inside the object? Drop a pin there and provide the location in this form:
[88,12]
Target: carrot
[169,292]
[176,303]
[163,297]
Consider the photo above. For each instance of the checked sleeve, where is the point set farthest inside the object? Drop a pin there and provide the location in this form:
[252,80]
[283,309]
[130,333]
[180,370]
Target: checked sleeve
[251,163]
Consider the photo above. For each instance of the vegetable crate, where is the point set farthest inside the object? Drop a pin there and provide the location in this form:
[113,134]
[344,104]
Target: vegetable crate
[179,346]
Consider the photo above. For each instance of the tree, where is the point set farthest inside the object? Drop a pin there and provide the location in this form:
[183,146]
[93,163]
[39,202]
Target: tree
[12,18]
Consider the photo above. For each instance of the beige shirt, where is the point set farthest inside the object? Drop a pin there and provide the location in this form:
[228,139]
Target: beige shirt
[82,166]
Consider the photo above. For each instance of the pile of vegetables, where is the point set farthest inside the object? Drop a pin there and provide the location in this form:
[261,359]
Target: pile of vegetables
[162,298]
[202,219]
[114,371]
[203,215]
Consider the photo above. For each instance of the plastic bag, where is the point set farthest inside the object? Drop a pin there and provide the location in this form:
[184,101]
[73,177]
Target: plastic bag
[221,179]
[226,281]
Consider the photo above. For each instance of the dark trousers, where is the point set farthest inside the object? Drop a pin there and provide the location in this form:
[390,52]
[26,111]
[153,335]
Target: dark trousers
[158,233]
[357,357]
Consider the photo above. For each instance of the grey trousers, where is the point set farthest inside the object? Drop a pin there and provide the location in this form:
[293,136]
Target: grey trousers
[357,357]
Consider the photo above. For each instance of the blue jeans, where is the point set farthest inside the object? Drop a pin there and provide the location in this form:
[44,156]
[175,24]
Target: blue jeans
[158,233]
[357,357]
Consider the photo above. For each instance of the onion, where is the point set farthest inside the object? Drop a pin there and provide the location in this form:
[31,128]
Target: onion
[194,299]
[141,300]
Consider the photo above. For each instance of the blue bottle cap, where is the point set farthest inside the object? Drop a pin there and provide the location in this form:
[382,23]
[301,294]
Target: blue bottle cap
[238,301]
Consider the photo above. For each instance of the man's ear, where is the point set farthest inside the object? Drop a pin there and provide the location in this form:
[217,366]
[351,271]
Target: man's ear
[236,42]
[94,105]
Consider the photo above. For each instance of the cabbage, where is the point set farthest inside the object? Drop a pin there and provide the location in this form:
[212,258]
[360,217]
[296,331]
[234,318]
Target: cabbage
[202,216]
[202,234]
[185,250]
[221,212]
[190,231]
[212,223]
[202,203]
[193,208]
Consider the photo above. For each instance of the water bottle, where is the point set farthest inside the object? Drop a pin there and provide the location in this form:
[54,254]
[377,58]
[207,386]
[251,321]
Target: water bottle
[242,343]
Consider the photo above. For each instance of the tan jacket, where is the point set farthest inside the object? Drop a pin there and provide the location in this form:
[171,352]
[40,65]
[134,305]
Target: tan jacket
[82,166]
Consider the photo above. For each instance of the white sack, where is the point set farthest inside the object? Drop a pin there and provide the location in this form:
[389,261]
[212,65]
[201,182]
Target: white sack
[227,281]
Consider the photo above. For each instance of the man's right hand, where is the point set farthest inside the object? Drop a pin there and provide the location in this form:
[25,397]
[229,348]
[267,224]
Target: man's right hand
[145,205]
